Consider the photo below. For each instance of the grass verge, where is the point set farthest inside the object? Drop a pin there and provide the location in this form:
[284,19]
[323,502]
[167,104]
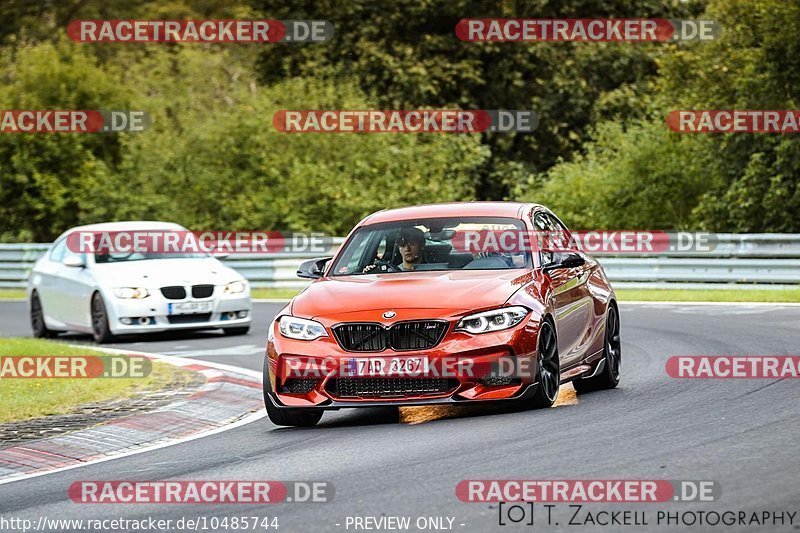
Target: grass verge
[657,295]
[24,398]
[710,295]
[663,295]
[8,294]
[280,294]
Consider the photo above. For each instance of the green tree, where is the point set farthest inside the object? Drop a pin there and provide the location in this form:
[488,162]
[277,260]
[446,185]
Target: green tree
[645,175]
[404,54]
[46,178]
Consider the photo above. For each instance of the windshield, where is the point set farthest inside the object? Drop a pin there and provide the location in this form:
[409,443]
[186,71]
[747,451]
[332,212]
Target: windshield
[427,245]
[138,256]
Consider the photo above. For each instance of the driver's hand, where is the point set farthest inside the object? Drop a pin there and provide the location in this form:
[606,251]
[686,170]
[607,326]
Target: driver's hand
[368,268]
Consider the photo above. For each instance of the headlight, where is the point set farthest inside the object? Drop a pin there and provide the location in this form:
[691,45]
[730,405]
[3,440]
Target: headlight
[301,329]
[495,320]
[235,287]
[127,293]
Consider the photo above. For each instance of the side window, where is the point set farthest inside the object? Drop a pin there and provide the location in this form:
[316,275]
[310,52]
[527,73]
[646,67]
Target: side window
[544,229]
[57,252]
[557,223]
[565,239]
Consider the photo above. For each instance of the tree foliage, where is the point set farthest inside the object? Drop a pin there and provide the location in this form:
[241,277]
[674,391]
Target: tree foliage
[743,182]
[602,156]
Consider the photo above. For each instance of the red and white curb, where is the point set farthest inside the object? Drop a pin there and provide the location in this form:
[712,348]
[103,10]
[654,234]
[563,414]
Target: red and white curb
[231,397]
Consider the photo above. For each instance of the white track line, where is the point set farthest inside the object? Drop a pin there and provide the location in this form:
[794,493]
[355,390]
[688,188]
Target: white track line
[178,362]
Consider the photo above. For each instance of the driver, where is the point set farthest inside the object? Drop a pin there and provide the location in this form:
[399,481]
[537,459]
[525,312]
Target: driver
[411,242]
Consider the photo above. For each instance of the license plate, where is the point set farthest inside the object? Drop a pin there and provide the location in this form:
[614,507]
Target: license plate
[385,366]
[188,308]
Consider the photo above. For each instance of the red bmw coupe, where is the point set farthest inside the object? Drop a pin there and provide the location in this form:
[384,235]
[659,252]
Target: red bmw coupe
[444,304]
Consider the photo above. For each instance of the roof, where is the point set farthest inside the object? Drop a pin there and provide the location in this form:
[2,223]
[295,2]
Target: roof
[454,209]
[128,225]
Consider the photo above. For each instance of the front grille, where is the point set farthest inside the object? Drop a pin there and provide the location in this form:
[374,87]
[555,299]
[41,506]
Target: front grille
[175,292]
[367,337]
[361,337]
[300,386]
[189,319]
[417,335]
[202,291]
[385,387]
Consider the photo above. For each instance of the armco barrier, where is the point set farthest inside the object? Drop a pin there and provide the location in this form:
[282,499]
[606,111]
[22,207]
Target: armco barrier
[741,260]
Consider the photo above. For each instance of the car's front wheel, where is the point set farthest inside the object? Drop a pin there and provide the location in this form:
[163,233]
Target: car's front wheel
[38,325]
[304,417]
[100,328]
[548,373]
[608,378]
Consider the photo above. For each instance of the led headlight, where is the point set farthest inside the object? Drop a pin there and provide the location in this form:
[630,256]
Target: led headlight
[128,293]
[494,320]
[235,287]
[300,328]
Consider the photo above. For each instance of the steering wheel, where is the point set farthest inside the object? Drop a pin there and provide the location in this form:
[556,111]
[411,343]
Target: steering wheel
[384,266]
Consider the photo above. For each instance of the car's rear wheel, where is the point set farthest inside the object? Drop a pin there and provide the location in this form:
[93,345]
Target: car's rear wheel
[608,378]
[236,331]
[38,325]
[548,373]
[100,329]
[304,417]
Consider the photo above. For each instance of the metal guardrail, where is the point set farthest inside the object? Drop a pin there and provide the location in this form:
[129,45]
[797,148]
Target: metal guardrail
[740,260]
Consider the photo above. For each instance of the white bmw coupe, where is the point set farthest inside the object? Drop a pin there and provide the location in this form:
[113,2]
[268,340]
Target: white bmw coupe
[113,294]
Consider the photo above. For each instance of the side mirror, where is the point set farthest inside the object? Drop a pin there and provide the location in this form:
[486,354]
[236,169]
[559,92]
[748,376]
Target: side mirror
[313,268]
[564,260]
[74,261]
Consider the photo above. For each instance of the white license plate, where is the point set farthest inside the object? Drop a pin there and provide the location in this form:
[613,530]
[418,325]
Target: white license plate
[385,366]
[188,308]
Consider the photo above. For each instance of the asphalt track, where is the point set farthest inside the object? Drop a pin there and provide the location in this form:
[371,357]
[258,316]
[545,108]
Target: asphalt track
[741,433]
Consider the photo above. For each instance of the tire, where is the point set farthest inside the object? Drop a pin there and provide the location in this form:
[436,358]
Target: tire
[38,325]
[548,371]
[100,329]
[612,352]
[304,417]
[242,330]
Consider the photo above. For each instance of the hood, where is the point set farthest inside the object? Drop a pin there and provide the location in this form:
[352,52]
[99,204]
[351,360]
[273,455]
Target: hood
[164,272]
[456,290]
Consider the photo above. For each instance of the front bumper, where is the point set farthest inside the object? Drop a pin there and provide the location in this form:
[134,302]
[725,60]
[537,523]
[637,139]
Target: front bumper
[523,393]
[152,314]
[463,368]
